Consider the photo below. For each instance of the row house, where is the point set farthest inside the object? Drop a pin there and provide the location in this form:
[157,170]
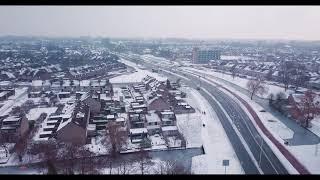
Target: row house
[137,126]
[72,85]
[51,125]
[74,130]
[13,127]
[6,93]
[153,123]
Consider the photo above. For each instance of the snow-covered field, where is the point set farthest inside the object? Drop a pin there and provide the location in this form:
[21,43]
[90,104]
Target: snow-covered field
[190,125]
[315,126]
[135,77]
[215,141]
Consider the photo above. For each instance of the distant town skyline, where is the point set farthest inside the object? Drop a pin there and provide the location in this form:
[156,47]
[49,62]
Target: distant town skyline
[190,22]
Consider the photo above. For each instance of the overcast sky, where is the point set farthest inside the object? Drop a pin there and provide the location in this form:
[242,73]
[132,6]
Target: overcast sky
[258,22]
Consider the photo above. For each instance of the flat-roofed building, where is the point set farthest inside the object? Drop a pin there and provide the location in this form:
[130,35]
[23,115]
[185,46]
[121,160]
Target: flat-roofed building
[14,127]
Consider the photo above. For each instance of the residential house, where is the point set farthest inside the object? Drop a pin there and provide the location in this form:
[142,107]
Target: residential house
[153,123]
[14,127]
[158,104]
[75,129]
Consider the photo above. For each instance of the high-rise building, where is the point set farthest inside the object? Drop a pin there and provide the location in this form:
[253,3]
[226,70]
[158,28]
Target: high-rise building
[202,56]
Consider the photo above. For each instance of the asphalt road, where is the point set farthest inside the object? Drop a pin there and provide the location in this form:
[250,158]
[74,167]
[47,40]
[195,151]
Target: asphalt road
[269,163]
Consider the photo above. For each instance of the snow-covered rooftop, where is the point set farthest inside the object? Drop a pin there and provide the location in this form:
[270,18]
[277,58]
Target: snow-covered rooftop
[169,128]
[138,130]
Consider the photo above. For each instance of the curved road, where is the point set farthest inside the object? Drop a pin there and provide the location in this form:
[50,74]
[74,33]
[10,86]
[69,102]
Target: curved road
[269,163]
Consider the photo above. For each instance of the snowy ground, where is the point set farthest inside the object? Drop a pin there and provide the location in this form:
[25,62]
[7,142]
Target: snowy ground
[157,142]
[98,146]
[135,77]
[4,152]
[182,157]
[214,139]
[306,154]
[315,126]
[190,126]
[35,113]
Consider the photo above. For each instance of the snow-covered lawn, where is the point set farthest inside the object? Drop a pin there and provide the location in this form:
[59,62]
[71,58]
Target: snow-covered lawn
[190,127]
[4,155]
[315,126]
[135,77]
[308,155]
[157,142]
[134,168]
[215,141]
[98,146]
[242,82]
[35,113]
[174,142]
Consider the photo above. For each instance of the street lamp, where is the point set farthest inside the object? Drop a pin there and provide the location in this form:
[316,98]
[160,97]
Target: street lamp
[260,151]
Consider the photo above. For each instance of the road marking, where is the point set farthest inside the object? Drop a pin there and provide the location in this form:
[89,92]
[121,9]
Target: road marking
[237,131]
[208,81]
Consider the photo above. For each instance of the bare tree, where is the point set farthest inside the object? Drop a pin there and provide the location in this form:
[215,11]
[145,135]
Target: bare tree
[17,110]
[21,147]
[86,163]
[308,107]
[3,143]
[171,167]
[47,151]
[269,75]
[117,137]
[27,105]
[233,71]
[123,166]
[285,74]
[69,155]
[51,168]
[43,101]
[144,159]
[256,87]
[281,96]
[53,100]
[271,98]
[71,82]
